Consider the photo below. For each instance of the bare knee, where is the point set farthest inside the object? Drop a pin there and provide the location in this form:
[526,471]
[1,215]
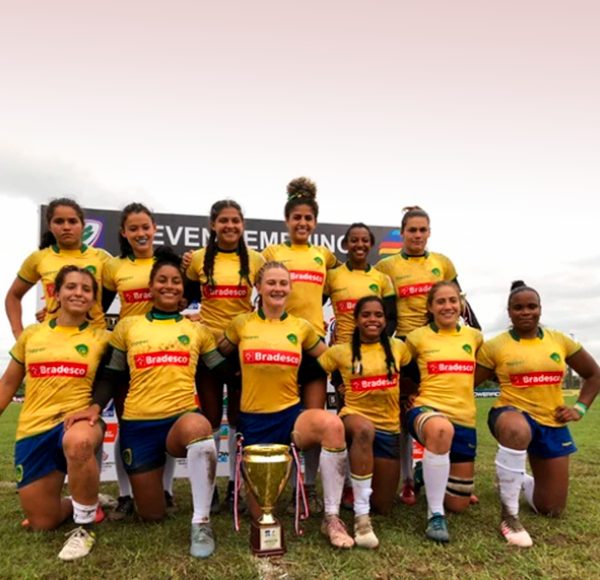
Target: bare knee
[333,432]
[514,435]
[80,450]
[363,435]
[438,437]
[456,504]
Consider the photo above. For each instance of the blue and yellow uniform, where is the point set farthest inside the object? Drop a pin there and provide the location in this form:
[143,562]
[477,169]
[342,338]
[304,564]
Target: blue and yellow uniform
[60,365]
[345,286]
[413,277]
[130,278]
[43,265]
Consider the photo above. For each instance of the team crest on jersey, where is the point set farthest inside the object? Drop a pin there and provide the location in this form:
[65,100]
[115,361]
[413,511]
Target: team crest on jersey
[555,357]
[91,269]
[374,288]
[292,338]
[127,456]
[19,473]
[436,272]
[318,260]
[184,339]
[82,349]
[467,348]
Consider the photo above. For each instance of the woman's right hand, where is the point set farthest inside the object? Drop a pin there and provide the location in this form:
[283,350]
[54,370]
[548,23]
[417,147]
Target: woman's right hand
[91,414]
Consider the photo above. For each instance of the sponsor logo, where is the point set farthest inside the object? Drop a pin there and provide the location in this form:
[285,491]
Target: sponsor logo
[82,349]
[536,379]
[137,295]
[110,435]
[467,348]
[50,287]
[436,272]
[318,260]
[57,369]
[127,455]
[162,358]
[91,232]
[457,367]
[271,357]
[292,338]
[555,357]
[378,383]
[344,306]
[391,244]
[91,269]
[184,339]
[567,443]
[414,290]
[307,276]
[19,473]
[216,292]
[374,288]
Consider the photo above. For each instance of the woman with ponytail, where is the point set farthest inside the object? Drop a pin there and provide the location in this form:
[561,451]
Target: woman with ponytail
[60,245]
[370,368]
[225,271]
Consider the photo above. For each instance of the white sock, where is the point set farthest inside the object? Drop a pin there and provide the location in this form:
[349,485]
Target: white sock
[168,473]
[510,469]
[528,487]
[311,465]
[232,446]
[84,514]
[122,478]
[436,469]
[362,489]
[406,456]
[332,463]
[202,470]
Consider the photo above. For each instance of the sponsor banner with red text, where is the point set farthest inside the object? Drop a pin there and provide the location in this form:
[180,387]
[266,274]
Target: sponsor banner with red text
[536,379]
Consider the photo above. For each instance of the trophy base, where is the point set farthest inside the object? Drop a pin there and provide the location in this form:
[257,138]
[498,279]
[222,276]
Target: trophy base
[267,539]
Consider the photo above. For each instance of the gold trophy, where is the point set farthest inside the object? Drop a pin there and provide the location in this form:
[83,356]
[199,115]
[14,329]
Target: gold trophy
[266,471]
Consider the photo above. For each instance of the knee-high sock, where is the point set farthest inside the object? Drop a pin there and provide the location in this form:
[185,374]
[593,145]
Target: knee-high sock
[168,473]
[510,469]
[333,468]
[362,490]
[406,456]
[122,478]
[528,488]
[202,470]
[311,465]
[436,469]
[232,448]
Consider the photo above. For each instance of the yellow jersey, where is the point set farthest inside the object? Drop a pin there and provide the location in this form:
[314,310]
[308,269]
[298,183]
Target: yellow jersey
[60,365]
[308,266]
[446,360]
[44,265]
[413,277]
[270,354]
[230,295]
[162,354]
[345,286]
[130,278]
[370,394]
[530,371]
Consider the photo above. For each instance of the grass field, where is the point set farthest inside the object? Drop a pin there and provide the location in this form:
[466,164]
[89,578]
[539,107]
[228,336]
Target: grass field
[568,547]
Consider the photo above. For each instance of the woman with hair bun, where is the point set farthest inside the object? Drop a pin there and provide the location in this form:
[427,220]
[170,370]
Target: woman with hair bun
[530,417]
[413,272]
[308,265]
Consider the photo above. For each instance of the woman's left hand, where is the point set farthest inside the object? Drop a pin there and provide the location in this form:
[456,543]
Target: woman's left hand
[564,414]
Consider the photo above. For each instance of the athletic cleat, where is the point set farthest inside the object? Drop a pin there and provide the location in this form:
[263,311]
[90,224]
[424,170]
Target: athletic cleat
[348,498]
[215,504]
[419,482]
[203,541]
[364,536]
[230,498]
[125,507]
[513,531]
[407,495]
[78,545]
[107,501]
[315,503]
[437,529]
[333,527]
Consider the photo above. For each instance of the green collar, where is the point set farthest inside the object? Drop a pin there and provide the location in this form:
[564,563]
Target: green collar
[515,336]
[408,256]
[156,314]
[53,324]
[437,329]
[56,249]
[261,314]
[348,265]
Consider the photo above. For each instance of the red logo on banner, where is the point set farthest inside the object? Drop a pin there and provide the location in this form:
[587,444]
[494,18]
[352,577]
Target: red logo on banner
[414,290]
[378,383]
[536,379]
[57,369]
[137,295]
[344,306]
[225,291]
[163,358]
[307,276]
[460,367]
[271,357]
[110,435]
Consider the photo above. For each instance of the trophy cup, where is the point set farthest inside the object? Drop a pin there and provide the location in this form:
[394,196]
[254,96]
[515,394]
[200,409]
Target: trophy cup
[266,471]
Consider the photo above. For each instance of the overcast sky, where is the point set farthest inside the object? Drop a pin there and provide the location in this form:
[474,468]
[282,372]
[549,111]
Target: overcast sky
[484,113]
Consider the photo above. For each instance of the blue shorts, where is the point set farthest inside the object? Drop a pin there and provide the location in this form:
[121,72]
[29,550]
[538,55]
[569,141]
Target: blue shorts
[464,442]
[269,427]
[546,442]
[39,455]
[144,443]
[386,445]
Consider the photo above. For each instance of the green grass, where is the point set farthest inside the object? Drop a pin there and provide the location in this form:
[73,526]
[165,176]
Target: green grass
[567,547]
